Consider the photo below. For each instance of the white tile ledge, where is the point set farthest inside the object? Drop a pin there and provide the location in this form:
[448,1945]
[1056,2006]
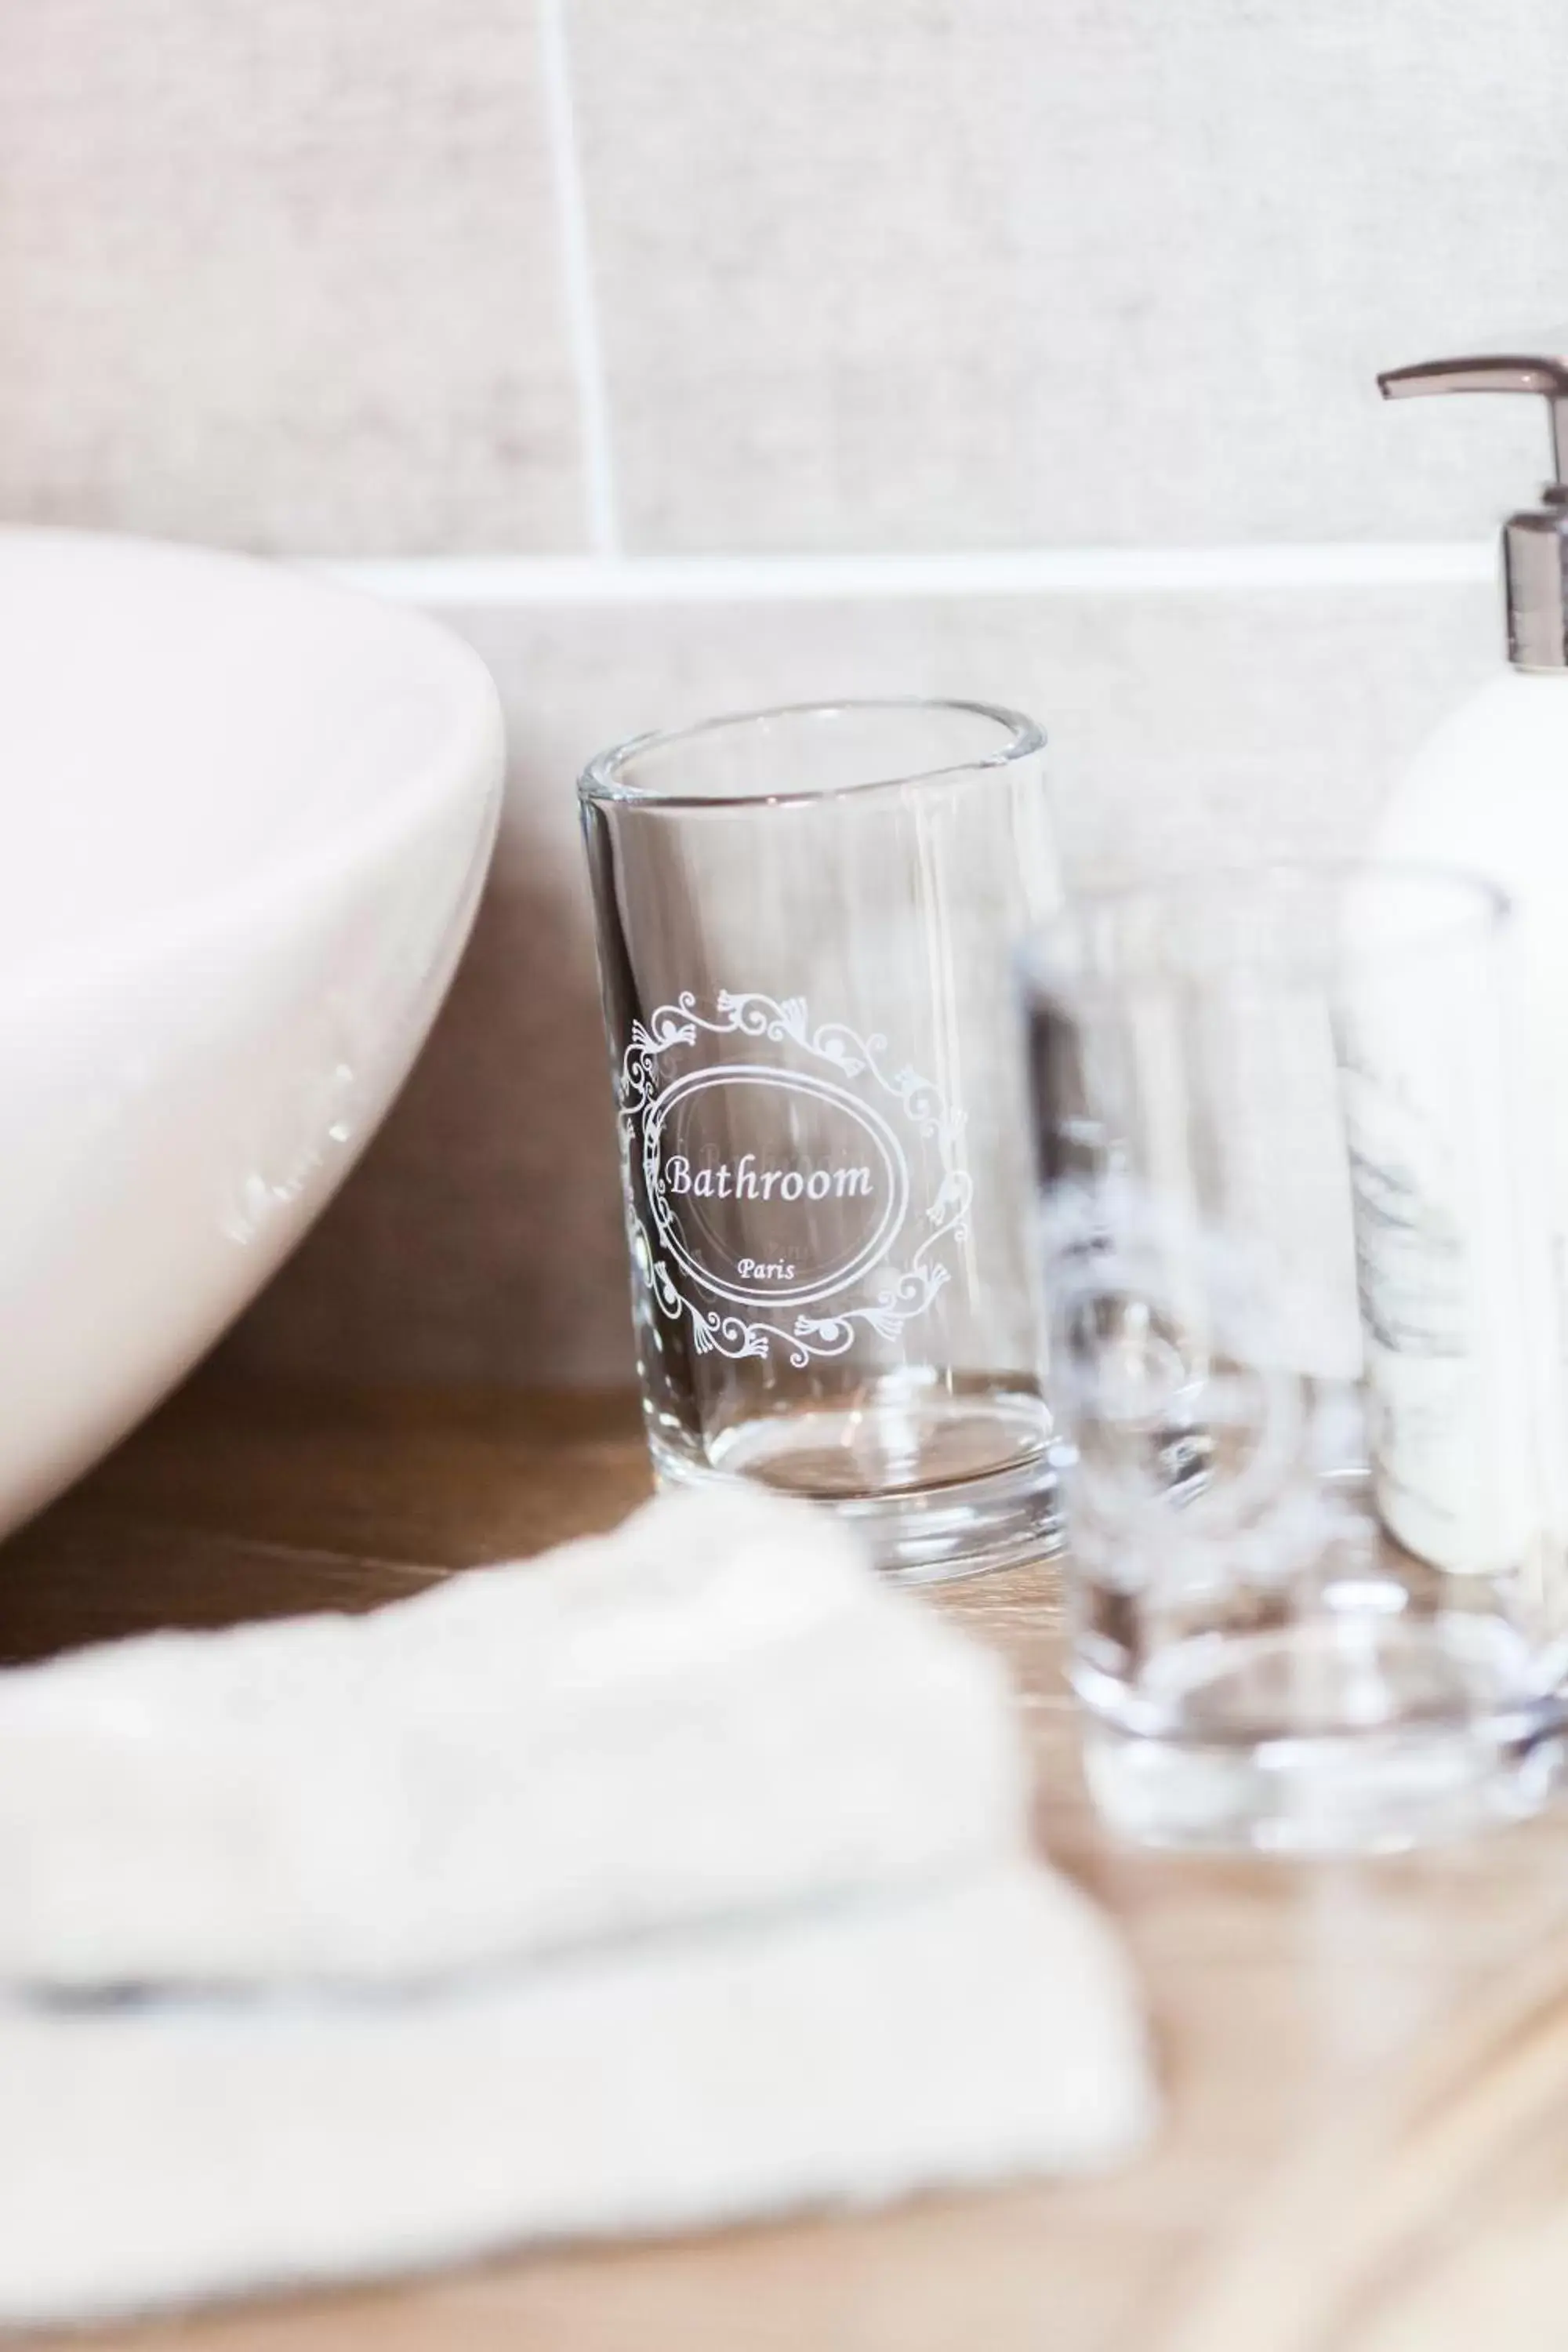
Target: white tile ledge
[482,580]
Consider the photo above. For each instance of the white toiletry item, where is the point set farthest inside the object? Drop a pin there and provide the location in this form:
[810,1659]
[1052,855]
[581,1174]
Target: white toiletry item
[1487,795]
[843,2055]
[716,1710]
[673,1878]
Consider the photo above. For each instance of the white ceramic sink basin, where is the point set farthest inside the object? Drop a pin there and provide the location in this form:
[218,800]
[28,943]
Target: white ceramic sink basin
[244,822]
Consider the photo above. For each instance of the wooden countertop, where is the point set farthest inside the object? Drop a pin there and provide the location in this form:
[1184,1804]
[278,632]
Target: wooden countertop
[1367,2066]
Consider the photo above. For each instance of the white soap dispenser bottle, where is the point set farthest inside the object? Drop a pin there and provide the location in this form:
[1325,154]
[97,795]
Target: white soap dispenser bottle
[1488,792]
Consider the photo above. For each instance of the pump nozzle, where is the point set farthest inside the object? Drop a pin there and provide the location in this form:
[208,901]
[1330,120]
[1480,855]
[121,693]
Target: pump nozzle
[1497,373]
[1535,542]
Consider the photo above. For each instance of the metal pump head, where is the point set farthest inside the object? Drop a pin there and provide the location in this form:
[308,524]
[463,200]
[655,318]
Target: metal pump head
[1534,542]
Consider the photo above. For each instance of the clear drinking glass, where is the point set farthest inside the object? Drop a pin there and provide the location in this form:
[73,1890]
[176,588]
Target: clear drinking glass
[808,924]
[1304,1351]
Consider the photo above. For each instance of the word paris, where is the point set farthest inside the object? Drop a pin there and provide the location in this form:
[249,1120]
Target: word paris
[743,1180]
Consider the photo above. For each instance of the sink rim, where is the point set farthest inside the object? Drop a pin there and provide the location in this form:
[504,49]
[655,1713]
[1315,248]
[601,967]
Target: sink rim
[470,746]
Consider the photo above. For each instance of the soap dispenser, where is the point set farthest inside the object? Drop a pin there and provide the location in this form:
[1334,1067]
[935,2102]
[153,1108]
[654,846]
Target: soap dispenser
[1488,792]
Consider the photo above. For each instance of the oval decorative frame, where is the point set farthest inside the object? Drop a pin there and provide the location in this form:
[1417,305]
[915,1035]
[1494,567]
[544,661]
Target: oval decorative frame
[786,1021]
[871,1121]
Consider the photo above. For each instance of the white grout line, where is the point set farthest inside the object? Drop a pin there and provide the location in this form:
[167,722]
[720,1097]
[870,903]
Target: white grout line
[480,580]
[578,282]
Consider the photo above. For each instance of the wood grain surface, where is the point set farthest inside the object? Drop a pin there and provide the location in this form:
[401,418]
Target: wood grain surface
[1366,2065]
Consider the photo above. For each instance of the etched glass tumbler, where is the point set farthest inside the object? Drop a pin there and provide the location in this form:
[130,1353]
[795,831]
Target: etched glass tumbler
[1305,1354]
[809,922]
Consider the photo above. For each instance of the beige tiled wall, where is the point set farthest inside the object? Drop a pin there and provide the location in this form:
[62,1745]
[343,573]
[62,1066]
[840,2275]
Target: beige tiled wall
[283,273]
[908,272]
[337,275]
[624,280]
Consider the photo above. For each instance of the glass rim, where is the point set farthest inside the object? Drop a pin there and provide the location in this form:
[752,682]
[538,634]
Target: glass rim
[1478,911]
[604,777]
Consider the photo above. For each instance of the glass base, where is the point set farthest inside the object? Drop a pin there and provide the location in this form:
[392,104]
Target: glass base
[1408,1776]
[935,1485]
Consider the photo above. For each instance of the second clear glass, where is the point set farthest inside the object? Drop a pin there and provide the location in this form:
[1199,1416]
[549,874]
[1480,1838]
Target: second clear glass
[1306,1351]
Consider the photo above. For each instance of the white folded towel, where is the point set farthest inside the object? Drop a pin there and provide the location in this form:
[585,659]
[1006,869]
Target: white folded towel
[671,1878]
[713,1711]
[157,2154]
